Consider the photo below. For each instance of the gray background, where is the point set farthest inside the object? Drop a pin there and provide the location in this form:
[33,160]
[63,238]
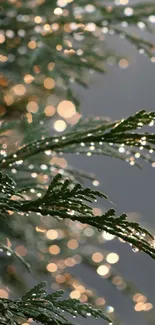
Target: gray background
[119,94]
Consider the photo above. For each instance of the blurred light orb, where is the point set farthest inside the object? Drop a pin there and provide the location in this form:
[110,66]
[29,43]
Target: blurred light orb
[66,109]
[103,270]
[60,125]
[4,293]
[49,110]
[112,258]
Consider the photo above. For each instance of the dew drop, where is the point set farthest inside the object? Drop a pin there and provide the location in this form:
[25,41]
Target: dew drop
[8,253]
[135,249]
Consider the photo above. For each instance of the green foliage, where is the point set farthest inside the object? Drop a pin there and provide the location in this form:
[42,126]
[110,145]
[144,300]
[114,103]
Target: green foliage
[102,138]
[47,309]
[67,45]
[63,200]
[81,43]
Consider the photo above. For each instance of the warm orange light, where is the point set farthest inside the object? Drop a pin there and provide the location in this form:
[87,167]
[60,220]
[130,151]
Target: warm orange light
[51,267]
[97,257]
[49,83]
[59,47]
[66,109]
[21,250]
[19,90]
[75,294]
[123,63]
[9,99]
[60,279]
[100,301]
[29,117]
[2,38]
[49,110]
[72,244]
[28,78]
[38,19]
[32,45]
[54,249]
[51,66]
[3,293]
[2,110]
[139,306]
[32,107]
[52,234]
[70,262]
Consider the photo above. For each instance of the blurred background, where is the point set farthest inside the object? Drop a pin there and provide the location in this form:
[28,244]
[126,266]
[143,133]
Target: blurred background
[120,93]
[94,267]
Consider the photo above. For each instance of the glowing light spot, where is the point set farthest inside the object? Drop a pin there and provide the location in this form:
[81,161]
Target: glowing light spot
[19,90]
[58,11]
[91,27]
[54,249]
[128,11]
[4,293]
[97,257]
[49,110]
[66,109]
[139,306]
[138,297]
[59,47]
[32,107]
[60,279]
[2,38]
[9,99]
[121,149]
[103,270]
[38,19]
[28,78]
[108,236]
[29,119]
[112,258]
[49,83]
[100,301]
[51,267]
[96,183]
[72,244]
[152,19]
[70,261]
[123,63]
[110,309]
[52,234]
[148,306]
[137,155]
[60,125]
[21,250]
[32,45]
[124,2]
[75,294]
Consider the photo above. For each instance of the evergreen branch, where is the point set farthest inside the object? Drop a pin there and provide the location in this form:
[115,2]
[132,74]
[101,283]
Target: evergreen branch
[73,60]
[10,251]
[46,309]
[98,139]
[65,201]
